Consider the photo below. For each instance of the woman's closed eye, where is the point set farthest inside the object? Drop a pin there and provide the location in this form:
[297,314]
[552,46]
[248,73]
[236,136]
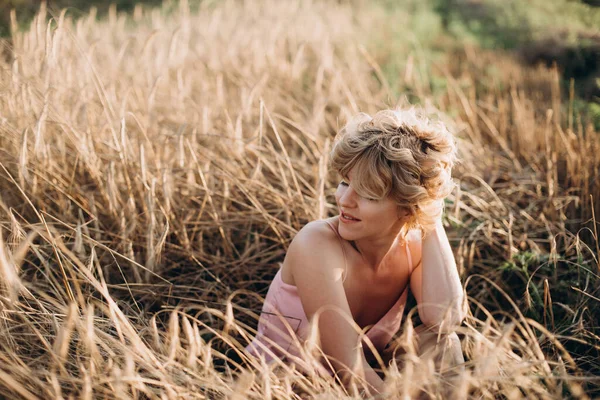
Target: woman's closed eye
[344,183]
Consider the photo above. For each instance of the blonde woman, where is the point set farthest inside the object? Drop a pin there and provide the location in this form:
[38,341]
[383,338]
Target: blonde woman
[350,275]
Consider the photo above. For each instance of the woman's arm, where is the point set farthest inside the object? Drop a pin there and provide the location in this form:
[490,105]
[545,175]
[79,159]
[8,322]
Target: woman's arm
[317,264]
[436,285]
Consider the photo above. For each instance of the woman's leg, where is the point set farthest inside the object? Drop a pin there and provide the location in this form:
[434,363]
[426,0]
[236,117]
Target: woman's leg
[444,349]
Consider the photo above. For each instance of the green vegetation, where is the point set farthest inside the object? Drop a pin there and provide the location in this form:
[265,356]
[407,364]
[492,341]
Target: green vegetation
[561,32]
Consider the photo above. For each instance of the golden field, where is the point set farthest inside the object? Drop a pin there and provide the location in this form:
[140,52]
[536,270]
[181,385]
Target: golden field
[154,167]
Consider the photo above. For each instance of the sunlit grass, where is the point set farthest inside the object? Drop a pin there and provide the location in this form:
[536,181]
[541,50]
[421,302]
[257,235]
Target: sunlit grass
[155,168]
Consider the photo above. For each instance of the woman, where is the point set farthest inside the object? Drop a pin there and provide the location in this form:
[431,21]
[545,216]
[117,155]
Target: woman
[352,272]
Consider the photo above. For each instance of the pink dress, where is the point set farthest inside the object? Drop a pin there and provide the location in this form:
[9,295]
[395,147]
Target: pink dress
[283,326]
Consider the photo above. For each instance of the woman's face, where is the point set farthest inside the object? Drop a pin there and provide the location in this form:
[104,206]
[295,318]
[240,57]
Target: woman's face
[375,217]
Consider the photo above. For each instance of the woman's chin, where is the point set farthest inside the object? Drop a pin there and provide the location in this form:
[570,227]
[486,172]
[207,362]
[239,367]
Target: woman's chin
[347,233]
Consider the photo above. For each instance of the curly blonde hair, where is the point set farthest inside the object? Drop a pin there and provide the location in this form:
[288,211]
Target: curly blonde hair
[402,154]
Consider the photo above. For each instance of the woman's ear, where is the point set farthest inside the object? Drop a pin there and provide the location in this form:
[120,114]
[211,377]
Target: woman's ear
[404,212]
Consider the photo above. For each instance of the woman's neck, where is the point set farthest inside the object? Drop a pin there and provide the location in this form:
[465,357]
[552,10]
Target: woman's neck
[374,251]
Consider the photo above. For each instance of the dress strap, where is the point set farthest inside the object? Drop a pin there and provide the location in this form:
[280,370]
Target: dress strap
[410,263]
[343,249]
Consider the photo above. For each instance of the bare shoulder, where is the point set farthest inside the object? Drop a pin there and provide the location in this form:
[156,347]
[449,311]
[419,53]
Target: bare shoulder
[415,244]
[315,233]
[315,247]
[316,227]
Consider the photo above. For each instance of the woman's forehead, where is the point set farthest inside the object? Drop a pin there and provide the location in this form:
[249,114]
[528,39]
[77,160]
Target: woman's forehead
[361,180]
[350,173]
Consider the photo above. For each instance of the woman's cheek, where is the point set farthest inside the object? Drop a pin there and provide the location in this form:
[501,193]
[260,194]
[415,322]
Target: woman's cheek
[337,195]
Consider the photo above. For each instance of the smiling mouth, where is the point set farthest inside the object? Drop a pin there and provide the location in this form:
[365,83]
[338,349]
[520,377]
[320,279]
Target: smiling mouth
[347,217]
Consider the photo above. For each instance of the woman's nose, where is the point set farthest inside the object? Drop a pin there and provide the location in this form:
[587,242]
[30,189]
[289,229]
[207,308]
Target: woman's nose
[347,197]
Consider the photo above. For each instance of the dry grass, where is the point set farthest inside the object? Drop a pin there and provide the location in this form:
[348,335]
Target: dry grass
[154,169]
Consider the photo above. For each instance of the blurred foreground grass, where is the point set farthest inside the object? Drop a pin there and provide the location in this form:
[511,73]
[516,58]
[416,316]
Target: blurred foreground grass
[154,168]
[25,10]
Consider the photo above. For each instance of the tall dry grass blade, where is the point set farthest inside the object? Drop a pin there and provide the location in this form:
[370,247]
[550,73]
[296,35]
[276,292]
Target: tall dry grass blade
[11,284]
[597,239]
[63,339]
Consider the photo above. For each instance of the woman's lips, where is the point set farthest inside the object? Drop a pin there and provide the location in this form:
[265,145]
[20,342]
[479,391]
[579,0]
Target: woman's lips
[346,220]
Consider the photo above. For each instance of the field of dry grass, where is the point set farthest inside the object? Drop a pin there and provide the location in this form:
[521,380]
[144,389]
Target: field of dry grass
[154,168]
